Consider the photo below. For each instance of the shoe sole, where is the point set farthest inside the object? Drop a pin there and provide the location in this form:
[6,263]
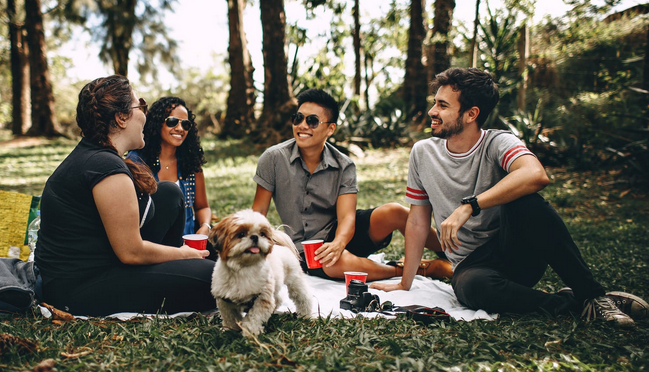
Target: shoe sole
[642,306]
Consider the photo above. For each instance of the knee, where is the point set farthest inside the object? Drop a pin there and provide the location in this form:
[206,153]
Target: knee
[476,289]
[169,192]
[392,211]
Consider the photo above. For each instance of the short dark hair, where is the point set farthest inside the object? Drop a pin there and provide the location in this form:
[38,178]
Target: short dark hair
[476,87]
[322,98]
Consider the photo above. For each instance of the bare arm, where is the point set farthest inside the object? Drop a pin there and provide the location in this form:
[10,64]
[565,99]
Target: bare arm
[329,253]
[120,217]
[526,176]
[201,205]
[417,230]
[262,200]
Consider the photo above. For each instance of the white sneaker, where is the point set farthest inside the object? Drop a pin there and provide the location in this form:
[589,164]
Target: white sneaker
[631,305]
[604,308]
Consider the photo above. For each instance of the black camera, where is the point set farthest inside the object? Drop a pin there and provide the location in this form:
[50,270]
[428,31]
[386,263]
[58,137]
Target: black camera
[359,299]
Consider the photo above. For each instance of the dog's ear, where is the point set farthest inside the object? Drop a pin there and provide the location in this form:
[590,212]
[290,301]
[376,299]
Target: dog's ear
[218,233]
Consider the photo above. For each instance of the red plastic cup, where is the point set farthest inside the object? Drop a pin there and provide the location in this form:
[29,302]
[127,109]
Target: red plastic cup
[310,246]
[196,241]
[358,275]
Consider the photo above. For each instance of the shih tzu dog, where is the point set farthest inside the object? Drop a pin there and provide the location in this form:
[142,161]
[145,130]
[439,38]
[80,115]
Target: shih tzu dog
[255,261]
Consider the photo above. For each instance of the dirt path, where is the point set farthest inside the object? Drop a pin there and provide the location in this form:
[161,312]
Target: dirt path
[23,142]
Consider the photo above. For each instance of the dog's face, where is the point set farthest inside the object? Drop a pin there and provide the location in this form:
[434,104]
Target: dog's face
[242,239]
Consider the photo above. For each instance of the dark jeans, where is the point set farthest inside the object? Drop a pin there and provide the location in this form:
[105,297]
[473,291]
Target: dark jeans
[499,276]
[169,287]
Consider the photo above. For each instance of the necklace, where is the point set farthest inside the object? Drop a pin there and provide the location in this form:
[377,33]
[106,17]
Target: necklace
[170,163]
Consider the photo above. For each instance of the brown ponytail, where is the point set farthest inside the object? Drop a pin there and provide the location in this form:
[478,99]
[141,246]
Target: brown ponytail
[142,177]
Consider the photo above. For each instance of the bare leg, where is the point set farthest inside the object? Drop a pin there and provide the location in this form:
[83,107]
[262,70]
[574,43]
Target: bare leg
[349,262]
[393,216]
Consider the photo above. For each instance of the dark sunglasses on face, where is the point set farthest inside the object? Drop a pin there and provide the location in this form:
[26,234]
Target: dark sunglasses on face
[142,106]
[312,120]
[172,122]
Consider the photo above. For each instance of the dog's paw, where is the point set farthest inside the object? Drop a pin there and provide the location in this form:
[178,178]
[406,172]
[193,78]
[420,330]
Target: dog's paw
[231,327]
[252,329]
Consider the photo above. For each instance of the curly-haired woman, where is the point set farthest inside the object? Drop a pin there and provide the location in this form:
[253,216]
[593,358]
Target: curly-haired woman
[110,238]
[173,152]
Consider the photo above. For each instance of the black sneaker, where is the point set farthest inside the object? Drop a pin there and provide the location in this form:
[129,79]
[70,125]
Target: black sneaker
[631,305]
[604,307]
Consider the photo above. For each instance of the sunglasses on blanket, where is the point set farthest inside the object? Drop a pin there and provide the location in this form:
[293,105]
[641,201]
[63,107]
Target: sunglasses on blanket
[172,122]
[312,120]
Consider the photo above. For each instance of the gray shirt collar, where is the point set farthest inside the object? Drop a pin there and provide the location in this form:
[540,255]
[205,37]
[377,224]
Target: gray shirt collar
[328,159]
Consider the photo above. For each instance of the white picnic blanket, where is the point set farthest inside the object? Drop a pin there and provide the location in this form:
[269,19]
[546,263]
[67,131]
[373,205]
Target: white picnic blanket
[328,293]
[424,291]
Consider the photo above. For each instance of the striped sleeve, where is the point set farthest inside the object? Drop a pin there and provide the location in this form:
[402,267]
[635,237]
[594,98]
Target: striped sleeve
[415,192]
[513,154]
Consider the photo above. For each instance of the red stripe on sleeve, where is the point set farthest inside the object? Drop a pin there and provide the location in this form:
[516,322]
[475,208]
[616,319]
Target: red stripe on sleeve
[511,153]
[416,194]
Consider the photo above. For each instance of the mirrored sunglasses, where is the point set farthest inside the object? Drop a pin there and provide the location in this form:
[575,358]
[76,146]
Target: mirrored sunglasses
[142,106]
[312,120]
[172,122]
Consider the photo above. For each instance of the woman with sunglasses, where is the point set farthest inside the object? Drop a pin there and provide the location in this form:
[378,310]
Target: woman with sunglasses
[111,237]
[173,152]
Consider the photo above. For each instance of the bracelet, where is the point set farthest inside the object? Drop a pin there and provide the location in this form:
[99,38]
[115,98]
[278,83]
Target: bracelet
[209,227]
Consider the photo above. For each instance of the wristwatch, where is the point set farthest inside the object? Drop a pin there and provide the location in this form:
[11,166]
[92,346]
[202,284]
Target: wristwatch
[473,200]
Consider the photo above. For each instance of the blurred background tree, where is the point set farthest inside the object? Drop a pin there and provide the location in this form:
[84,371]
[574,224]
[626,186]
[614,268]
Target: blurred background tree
[574,87]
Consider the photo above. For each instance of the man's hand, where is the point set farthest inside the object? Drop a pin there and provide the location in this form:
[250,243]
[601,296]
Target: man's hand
[449,228]
[387,287]
[329,253]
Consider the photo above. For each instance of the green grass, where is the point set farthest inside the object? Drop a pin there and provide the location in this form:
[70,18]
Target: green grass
[611,226]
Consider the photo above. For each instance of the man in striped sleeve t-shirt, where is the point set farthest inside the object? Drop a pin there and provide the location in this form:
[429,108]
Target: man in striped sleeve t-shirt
[500,235]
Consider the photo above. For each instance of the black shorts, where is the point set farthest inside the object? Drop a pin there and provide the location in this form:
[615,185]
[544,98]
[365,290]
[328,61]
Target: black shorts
[361,244]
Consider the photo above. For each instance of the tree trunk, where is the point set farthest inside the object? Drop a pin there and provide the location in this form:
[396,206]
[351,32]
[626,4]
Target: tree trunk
[645,72]
[440,57]
[357,53]
[240,114]
[523,55]
[21,120]
[279,104]
[474,41]
[415,87]
[120,22]
[43,120]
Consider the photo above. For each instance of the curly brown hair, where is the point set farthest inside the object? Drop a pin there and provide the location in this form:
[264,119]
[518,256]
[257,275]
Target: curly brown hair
[190,153]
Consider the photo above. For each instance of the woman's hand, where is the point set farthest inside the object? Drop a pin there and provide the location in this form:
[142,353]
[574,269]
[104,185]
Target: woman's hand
[190,252]
[204,229]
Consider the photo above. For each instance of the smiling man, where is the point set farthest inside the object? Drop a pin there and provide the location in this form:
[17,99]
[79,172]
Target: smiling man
[500,234]
[314,189]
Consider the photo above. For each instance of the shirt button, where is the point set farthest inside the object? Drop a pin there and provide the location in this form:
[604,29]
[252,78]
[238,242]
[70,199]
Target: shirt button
[307,193]
[306,224]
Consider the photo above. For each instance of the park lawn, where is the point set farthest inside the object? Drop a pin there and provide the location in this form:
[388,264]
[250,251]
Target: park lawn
[609,220]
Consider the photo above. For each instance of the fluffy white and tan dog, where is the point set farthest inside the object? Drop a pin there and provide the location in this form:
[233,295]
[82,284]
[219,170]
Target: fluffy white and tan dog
[255,261]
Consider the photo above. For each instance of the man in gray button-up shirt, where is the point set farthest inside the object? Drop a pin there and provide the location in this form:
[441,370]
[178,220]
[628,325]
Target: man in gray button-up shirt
[314,189]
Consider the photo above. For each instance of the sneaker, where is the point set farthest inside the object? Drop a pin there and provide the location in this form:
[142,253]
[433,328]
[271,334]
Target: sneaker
[604,308]
[631,305]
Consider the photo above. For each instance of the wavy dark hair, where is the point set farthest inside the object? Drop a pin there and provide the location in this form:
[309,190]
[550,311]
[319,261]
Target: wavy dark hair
[99,101]
[190,153]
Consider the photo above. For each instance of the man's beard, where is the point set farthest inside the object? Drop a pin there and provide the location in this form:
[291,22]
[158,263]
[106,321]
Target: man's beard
[452,130]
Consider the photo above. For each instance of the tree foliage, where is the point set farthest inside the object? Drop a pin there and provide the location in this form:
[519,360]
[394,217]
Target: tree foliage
[123,26]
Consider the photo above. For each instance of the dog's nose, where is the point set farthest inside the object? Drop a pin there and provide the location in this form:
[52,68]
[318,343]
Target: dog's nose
[254,238]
